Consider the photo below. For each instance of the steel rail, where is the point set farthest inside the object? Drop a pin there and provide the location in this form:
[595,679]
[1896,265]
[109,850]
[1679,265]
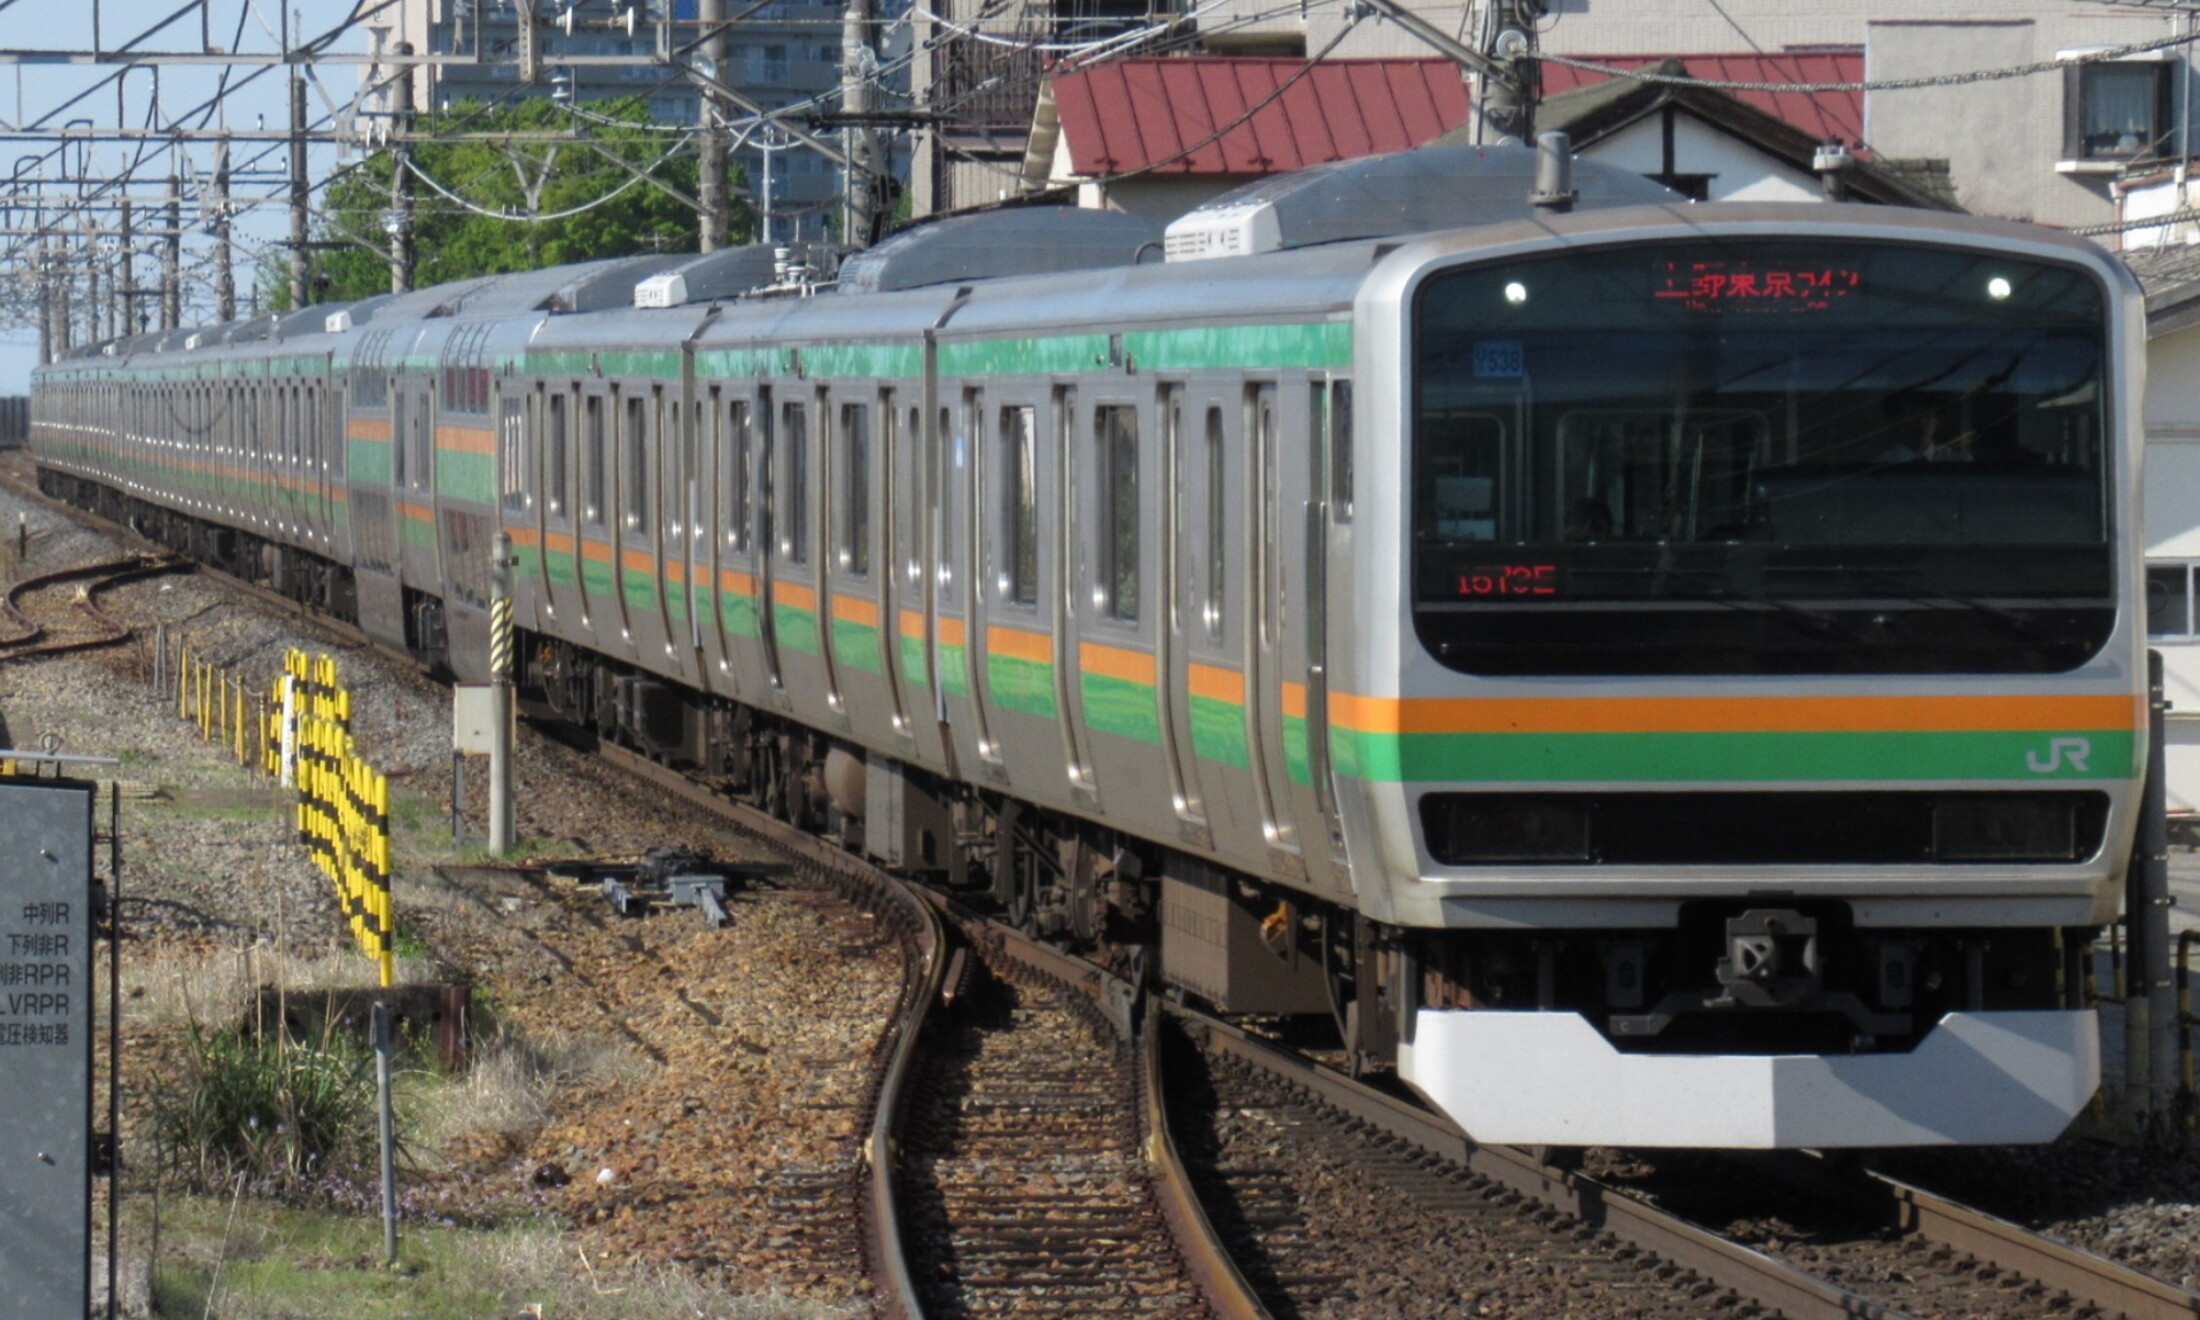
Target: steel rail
[923,983]
[2084,1276]
[1749,1273]
[112,573]
[1129,1011]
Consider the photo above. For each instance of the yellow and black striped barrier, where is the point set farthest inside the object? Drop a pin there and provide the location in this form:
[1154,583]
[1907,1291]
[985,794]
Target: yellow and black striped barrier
[302,736]
[343,802]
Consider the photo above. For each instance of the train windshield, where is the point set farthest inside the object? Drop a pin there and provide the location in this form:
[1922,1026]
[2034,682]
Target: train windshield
[1761,457]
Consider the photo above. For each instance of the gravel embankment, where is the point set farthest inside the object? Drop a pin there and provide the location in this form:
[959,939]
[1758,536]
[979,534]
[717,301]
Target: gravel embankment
[674,1093]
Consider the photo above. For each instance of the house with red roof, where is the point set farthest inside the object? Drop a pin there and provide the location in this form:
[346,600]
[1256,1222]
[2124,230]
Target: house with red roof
[1157,137]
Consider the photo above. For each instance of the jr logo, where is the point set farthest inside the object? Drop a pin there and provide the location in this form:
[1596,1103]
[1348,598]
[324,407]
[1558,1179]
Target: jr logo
[2073,752]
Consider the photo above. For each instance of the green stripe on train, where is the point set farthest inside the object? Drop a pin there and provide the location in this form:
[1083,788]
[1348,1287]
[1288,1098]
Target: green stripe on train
[1218,732]
[464,476]
[1024,685]
[1120,706]
[796,628]
[856,646]
[1295,762]
[912,662]
[640,588]
[738,610]
[1733,757]
[954,670]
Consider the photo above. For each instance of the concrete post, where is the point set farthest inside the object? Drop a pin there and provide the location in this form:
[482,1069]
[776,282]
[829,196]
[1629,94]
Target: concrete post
[711,140]
[401,181]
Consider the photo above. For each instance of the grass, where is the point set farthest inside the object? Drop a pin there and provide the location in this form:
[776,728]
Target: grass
[265,1112]
[510,1082]
[248,1260]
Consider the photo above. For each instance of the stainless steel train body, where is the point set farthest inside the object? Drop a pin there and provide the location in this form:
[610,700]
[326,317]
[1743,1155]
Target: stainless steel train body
[1515,644]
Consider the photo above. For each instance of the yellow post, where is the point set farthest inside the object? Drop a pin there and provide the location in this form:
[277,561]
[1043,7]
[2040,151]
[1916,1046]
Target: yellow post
[378,799]
[183,662]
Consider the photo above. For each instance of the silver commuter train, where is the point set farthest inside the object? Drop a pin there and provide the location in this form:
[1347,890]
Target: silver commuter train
[1656,674]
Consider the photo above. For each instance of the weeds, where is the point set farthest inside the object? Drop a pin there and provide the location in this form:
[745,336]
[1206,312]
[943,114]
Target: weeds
[275,1113]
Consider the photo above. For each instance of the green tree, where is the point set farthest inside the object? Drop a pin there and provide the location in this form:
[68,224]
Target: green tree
[521,203]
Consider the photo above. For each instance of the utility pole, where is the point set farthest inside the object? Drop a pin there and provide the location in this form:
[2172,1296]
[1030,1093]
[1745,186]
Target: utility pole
[45,301]
[171,259]
[1509,90]
[299,191]
[92,305]
[401,183]
[225,275]
[1506,72]
[125,281]
[717,222]
[856,67]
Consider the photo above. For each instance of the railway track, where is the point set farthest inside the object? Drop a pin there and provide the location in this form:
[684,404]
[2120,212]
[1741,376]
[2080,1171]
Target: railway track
[1850,1243]
[58,613]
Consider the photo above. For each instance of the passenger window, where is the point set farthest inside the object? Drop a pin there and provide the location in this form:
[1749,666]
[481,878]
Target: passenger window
[595,469]
[1218,509]
[1340,450]
[1020,505]
[1115,435]
[512,453]
[855,491]
[636,472]
[737,475]
[794,509]
[558,460]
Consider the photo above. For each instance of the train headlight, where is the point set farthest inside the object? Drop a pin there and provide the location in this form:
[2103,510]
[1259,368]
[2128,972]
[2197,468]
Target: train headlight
[1516,293]
[1998,288]
[2013,828]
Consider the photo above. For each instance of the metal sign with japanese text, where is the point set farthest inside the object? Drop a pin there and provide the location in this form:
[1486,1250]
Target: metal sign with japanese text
[45,1047]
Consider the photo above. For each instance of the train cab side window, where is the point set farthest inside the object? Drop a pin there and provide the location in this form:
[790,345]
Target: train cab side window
[1115,436]
[737,458]
[512,452]
[557,459]
[594,462]
[1340,451]
[635,439]
[794,506]
[1020,504]
[855,493]
[2169,600]
[1218,509]
[398,448]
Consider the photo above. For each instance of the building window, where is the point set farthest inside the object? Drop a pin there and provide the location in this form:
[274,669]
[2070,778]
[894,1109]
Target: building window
[2169,600]
[2117,110]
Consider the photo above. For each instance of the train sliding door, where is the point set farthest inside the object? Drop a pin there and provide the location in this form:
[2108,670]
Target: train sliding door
[959,429]
[859,567]
[1215,555]
[1116,603]
[1179,600]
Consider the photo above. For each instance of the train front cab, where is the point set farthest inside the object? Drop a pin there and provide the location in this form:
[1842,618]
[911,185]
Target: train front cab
[1760,737]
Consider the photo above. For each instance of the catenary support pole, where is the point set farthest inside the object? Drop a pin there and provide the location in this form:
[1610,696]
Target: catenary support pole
[402,252]
[712,189]
[225,273]
[300,188]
